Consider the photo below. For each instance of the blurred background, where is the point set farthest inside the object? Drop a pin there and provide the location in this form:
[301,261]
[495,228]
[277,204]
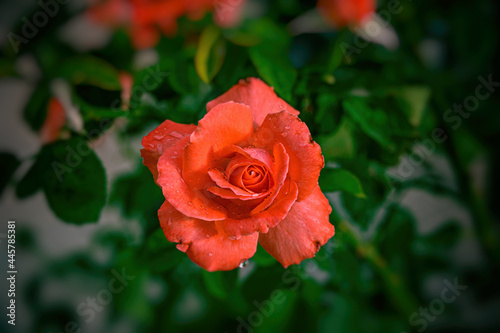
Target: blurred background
[402,96]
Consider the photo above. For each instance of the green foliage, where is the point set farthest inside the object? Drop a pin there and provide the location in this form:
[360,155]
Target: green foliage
[332,180]
[8,165]
[369,111]
[210,54]
[72,178]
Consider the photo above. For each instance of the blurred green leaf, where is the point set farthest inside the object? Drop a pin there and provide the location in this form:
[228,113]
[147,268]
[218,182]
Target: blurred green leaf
[340,144]
[136,193]
[86,69]
[446,236]
[210,53]
[374,122]
[275,68]
[262,258]
[73,180]
[35,111]
[220,284]
[30,183]
[8,165]
[332,180]
[417,98]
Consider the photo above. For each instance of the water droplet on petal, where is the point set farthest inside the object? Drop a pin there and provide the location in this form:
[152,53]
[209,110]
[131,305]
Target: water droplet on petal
[207,235]
[158,137]
[285,134]
[243,263]
[232,237]
[287,127]
[210,254]
[190,203]
[175,153]
[177,135]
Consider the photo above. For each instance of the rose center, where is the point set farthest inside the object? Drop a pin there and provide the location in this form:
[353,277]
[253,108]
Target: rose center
[251,177]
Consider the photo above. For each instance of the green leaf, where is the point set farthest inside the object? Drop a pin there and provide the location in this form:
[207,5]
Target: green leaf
[183,78]
[30,183]
[445,236]
[374,122]
[35,111]
[341,144]
[220,284]
[275,68]
[136,193]
[417,98]
[86,69]
[8,165]
[210,53]
[73,179]
[332,180]
[262,258]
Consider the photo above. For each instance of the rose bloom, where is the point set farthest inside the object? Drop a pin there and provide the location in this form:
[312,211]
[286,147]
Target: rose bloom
[145,20]
[247,173]
[347,12]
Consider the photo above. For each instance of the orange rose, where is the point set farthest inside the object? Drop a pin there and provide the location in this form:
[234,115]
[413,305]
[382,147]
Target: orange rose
[347,12]
[247,173]
[146,19]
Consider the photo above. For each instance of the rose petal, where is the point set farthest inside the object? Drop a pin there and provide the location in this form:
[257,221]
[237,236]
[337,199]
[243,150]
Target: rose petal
[161,138]
[220,180]
[344,13]
[228,194]
[303,231]
[144,36]
[280,173]
[203,242]
[266,219]
[306,160]
[261,99]
[192,203]
[215,136]
[54,122]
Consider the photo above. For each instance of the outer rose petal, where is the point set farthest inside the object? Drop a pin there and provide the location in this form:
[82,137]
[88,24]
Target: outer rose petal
[160,139]
[261,99]
[306,160]
[203,242]
[189,202]
[300,235]
[227,124]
